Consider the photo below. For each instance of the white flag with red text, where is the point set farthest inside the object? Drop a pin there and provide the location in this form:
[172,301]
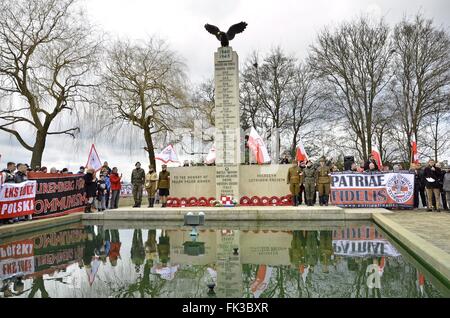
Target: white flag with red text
[167,155]
[93,160]
[257,146]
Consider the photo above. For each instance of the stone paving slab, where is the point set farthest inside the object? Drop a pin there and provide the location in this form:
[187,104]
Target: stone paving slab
[431,226]
[410,232]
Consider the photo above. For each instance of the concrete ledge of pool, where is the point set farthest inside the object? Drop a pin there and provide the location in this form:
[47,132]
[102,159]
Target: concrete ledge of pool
[239,213]
[436,259]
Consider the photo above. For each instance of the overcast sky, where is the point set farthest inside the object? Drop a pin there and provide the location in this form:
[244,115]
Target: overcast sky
[290,24]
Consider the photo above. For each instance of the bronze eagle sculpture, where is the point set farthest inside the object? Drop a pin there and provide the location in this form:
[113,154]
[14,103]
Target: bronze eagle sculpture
[223,37]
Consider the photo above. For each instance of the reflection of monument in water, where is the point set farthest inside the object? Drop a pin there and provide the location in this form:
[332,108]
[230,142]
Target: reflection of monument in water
[229,268]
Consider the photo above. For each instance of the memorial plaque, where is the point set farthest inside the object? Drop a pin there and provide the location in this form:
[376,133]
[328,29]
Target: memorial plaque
[227,138]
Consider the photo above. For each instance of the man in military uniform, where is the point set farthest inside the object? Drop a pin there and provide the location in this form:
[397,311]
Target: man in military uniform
[164,185]
[137,180]
[323,181]
[151,179]
[294,177]
[309,181]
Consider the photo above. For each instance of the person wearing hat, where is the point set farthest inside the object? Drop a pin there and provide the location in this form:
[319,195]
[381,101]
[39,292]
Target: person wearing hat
[323,181]
[137,180]
[309,181]
[294,177]
[164,185]
[151,179]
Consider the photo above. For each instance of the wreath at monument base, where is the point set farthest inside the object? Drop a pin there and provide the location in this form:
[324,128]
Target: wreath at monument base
[244,201]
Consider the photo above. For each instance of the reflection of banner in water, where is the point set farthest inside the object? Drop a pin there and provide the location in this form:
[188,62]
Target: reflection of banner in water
[58,194]
[16,258]
[377,189]
[261,282]
[42,254]
[361,248]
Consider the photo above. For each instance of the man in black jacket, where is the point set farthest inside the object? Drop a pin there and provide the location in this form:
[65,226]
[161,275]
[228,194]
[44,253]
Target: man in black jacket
[419,186]
[368,162]
[21,174]
[432,175]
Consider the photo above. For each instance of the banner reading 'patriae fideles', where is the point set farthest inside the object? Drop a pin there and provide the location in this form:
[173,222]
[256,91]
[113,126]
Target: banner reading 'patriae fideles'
[364,190]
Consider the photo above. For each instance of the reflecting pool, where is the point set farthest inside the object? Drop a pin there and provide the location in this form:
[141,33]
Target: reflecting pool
[354,260]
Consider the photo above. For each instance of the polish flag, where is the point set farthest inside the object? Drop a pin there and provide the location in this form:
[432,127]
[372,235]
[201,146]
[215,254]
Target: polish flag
[259,149]
[415,155]
[301,153]
[167,155]
[93,160]
[211,157]
[260,284]
[377,156]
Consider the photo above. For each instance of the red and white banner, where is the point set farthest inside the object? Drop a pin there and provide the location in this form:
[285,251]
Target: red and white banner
[211,157]
[301,153]
[93,160]
[257,146]
[376,154]
[414,153]
[372,190]
[16,258]
[17,199]
[167,155]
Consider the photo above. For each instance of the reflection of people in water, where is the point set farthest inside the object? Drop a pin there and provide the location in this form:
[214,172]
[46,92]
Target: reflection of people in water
[297,250]
[164,248]
[312,249]
[114,251]
[89,246]
[150,245]
[137,249]
[17,287]
[326,249]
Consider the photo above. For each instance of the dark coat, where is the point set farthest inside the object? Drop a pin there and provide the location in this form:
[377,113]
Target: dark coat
[89,185]
[436,175]
[366,165]
[20,177]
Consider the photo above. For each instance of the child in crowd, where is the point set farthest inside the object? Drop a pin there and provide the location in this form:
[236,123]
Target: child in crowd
[101,194]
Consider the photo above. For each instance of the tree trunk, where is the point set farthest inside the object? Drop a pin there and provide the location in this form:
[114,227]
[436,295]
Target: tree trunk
[38,149]
[151,150]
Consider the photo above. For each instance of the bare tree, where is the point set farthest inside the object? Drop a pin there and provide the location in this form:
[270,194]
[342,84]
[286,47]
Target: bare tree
[422,60]
[271,83]
[436,137]
[306,101]
[47,53]
[143,84]
[354,60]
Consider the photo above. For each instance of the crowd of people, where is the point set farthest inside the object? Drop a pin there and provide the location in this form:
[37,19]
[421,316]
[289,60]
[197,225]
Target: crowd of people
[431,181]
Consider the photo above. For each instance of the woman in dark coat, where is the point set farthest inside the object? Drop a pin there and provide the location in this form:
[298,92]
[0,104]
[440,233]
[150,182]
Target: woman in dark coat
[90,186]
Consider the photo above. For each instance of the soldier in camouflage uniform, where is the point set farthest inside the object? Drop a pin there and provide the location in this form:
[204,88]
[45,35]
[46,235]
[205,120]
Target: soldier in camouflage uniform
[309,181]
[294,179]
[137,180]
[323,180]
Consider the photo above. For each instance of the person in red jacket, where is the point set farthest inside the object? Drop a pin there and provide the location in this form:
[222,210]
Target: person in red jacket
[115,188]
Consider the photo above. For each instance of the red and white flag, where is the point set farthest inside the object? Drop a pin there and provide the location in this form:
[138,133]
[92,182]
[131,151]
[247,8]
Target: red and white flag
[414,154]
[167,155]
[211,157]
[376,154]
[93,160]
[257,146]
[301,153]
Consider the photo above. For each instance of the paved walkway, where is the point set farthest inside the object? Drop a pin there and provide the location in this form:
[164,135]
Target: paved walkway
[431,226]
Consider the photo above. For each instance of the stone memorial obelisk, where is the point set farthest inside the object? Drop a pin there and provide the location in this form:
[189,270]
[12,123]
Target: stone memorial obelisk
[227,136]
